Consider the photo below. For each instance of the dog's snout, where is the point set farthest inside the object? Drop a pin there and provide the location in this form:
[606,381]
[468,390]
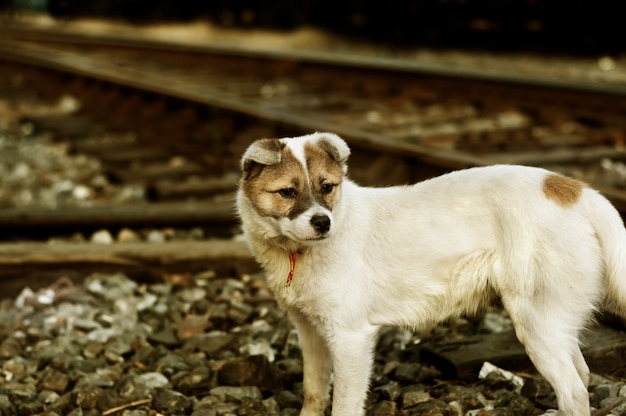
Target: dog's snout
[321,223]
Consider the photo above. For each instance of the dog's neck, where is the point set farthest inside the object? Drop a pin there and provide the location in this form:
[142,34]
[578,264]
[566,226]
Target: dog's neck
[267,250]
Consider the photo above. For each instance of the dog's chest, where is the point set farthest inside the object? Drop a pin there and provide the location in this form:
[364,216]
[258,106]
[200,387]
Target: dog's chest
[305,285]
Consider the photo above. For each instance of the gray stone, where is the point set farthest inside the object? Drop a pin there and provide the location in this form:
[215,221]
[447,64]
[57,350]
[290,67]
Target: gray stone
[286,399]
[390,391]
[413,396]
[53,380]
[229,393]
[384,408]
[254,370]
[172,402]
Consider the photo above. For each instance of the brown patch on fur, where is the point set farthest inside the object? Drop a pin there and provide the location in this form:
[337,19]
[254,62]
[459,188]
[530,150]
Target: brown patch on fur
[263,188]
[262,153]
[324,170]
[563,190]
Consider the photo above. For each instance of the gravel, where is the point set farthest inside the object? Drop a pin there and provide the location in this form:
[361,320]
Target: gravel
[37,169]
[220,346]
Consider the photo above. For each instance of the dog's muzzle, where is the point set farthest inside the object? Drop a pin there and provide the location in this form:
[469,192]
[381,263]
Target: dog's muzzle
[321,223]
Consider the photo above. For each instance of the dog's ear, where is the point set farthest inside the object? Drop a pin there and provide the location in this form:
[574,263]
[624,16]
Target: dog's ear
[335,146]
[262,152]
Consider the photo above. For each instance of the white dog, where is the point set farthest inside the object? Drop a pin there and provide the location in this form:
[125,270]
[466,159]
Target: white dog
[345,260]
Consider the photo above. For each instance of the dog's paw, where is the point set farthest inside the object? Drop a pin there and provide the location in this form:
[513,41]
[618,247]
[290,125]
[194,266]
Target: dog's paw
[550,412]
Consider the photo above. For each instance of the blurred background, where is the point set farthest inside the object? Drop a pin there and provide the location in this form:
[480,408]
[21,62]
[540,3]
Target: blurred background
[127,286]
[576,26]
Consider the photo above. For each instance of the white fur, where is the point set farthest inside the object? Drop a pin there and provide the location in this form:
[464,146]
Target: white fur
[415,255]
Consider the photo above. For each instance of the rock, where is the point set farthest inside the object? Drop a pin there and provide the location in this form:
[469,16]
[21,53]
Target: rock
[117,347]
[172,402]
[432,408]
[6,408]
[605,391]
[251,407]
[154,380]
[134,388]
[30,408]
[287,399]
[496,323]
[192,381]
[172,363]
[211,343]
[292,370]
[230,393]
[87,396]
[415,373]
[127,235]
[413,396]
[259,347]
[390,391]
[166,336]
[10,347]
[384,408]
[538,387]
[48,397]
[240,312]
[191,326]
[53,380]
[522,406]
[254,370]
[271,406]
[102,237]
[155,236]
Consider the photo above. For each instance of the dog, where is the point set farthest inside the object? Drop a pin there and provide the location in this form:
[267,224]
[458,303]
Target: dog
[345,260]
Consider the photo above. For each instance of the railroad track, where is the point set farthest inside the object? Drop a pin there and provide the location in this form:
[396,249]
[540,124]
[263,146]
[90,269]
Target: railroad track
[193,109]
[448,116]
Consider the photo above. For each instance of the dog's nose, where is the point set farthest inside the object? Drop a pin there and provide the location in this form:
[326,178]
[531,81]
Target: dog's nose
[321,223]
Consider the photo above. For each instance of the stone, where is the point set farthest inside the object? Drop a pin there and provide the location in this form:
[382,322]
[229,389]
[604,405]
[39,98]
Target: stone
[6,408]
[384,408]
[230,393]
[191,326]
[172,402]
[390,391]
[254,370]
[87,396]
[53,380]
[415,373]
[102,237]
[251,407]
[166,336]
[154,380]
[211,343]
[413,396]
[194,380]
[431,408]
[133,388]
[127,235]
[287,399]
[10,347]
[605,391]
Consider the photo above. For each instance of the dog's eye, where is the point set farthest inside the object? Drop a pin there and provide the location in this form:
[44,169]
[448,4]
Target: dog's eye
[327,188]
[288,192]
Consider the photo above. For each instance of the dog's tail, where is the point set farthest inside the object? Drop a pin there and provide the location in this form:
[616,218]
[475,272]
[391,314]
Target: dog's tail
[611,235]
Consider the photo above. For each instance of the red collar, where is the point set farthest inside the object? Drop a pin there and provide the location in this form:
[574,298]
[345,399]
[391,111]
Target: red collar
[292,267]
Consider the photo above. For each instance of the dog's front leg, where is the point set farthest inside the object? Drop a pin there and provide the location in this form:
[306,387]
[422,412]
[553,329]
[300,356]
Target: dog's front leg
[317,366]
[352,362]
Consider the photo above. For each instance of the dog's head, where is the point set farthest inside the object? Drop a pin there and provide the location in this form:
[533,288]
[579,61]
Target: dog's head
[293,184]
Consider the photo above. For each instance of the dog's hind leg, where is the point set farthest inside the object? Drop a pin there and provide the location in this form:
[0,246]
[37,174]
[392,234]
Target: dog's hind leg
[317,366]
[552,345]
